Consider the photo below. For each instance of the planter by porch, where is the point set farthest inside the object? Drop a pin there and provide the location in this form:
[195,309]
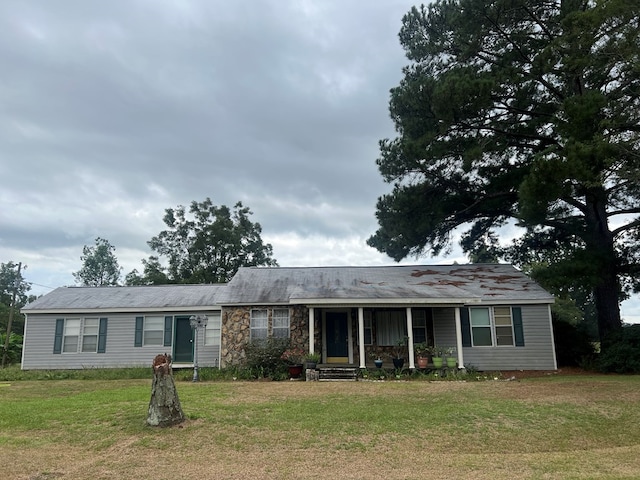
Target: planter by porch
[295,371]
[451,362]
[437,362]
[378,363]
[398,362]
[423,362]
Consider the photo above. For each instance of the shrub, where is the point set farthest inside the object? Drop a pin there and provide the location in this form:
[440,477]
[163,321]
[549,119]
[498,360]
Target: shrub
[264,357]
[573,345]
[621,351]
[14,352]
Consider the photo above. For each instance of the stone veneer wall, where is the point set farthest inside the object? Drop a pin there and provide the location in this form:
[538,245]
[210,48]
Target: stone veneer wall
[236,331]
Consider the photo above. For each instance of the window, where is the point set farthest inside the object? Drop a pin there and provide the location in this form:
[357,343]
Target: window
[488,324]
[368,328]
[90,334]
[280,321]
[212,331]
[71,335]
[259,324]
[391,326]
[153,332]
[504,326]
[419,319]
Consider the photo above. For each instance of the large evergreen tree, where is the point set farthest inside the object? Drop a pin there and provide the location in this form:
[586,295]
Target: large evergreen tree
[205,245]
[520,112]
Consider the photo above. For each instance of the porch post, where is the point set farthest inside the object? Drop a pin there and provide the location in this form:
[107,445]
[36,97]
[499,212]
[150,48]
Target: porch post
[311,331]
[363,363]
[459,338]
[412,364]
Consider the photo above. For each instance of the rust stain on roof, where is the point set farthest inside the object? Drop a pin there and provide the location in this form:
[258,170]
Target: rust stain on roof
[420,273]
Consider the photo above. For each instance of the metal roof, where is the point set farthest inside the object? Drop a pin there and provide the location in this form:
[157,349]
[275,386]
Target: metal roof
[134,298]
[444,284]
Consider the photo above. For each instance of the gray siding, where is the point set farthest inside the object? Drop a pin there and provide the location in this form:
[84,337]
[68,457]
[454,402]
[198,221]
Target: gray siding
[537,354]
[120,349]
[444,327]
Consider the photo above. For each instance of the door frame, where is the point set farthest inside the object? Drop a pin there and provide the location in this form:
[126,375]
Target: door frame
[349,358]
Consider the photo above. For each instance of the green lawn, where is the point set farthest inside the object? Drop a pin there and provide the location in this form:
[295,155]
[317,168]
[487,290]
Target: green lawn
[553,427]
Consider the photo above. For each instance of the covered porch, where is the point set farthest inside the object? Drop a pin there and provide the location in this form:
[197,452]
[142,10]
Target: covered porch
[347,335]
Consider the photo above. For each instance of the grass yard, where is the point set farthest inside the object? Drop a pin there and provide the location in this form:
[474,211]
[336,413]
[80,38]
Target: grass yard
[574,427]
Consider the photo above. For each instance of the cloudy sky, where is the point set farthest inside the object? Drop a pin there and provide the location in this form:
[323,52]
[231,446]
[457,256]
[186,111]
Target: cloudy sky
[111,112]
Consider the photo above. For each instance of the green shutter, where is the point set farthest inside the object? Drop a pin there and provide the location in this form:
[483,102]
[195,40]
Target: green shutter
[57,340]
[168,330]
[465,324]
[138,336]
[518,331]
[102,336]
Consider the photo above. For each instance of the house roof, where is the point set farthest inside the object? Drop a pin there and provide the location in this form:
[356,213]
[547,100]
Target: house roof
[130,299]
[434,284]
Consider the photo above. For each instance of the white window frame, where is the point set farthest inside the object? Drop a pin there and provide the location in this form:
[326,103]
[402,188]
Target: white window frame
[90,328]
[493,327]
[259,324]
[71,331]
[280,323]
[153,337]
[213,329]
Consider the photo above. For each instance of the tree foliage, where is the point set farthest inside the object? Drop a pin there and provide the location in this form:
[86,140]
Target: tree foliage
[207,244]
[520,112]
[99,265]
[10,279]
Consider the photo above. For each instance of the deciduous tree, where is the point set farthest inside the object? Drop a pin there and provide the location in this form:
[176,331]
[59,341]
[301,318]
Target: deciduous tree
[208,244]
[99,265]
[520,112]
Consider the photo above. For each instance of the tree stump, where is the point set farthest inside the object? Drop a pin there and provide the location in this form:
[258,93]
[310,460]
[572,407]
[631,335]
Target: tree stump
[164,406]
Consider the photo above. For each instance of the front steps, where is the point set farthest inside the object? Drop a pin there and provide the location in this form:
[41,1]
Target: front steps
[337,374]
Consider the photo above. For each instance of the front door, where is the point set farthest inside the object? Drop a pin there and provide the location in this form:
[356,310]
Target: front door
[337,332]
[183,344]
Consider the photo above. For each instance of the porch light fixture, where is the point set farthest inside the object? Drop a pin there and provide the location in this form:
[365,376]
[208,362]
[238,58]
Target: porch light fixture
[197,322]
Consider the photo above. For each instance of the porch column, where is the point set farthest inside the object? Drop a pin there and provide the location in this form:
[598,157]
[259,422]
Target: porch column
[412,364]
[459,338]
[311,330]
[363,359]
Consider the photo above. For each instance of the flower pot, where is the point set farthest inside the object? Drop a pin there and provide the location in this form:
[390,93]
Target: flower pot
[437,362]
[378,363]
[398,362]
[451,362]
[423,362]
[312,365]
[295,371]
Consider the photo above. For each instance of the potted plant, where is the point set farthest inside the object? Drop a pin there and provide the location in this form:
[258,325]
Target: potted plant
[450,355]
[294,357]
[377,361]
[422,354]
[312,360]
[436,356]
[397,353]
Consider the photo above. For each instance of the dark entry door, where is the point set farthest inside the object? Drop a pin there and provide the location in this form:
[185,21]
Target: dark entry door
[337,324]
[183,345]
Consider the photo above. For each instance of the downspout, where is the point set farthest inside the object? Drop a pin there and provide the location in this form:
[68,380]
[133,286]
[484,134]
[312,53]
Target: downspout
[459,338]
[361,337]
[412,364]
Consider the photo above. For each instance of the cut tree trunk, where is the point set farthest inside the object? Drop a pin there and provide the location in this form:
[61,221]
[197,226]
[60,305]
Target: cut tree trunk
[164,406]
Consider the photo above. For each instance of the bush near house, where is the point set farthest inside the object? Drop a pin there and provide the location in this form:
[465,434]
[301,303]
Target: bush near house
[621,351]
[14,352]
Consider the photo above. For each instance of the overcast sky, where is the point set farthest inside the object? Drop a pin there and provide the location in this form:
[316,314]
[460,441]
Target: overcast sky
[111,112]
